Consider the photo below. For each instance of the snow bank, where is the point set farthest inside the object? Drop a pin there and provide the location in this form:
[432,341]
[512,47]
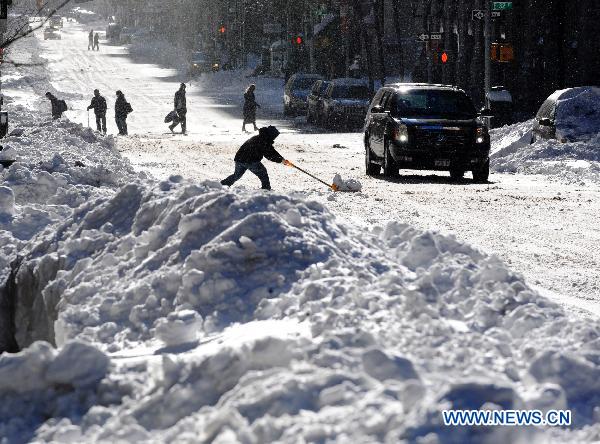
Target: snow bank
[257,317]
[571,162]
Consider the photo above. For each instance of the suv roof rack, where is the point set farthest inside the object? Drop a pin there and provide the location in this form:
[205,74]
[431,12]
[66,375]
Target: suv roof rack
[435,85]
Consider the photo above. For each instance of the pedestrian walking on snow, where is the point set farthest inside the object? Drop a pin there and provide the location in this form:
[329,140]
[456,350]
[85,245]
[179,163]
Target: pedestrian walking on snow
[122,109]
[180,108]
[96,42]
[91,40]
[99,106]
[58,106]
[250,154]
[250,106]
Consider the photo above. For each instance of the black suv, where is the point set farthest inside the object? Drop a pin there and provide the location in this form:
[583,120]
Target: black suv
[428,127]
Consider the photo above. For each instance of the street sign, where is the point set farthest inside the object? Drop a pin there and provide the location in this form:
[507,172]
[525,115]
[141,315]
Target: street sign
[496,14]
[433,36]
[501,6]
[477,14]
[272,28]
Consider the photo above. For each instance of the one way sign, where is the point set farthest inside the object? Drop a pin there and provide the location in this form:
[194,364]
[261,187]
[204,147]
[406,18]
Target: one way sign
[477,14]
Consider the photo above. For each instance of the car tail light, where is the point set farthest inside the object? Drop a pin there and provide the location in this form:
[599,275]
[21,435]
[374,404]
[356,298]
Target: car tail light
[401,133]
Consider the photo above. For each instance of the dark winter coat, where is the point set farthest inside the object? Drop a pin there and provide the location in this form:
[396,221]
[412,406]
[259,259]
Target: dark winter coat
[98,105]
[250,106]
[180,102]
[56,108]
[257,147]
[96,38]
[122,108]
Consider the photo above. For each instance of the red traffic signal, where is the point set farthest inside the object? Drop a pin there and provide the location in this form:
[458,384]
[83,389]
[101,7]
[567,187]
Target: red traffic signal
[444,57]
[297,40]
[222,29]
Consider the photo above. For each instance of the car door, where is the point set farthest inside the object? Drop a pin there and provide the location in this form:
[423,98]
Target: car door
[313,97]
[378,123]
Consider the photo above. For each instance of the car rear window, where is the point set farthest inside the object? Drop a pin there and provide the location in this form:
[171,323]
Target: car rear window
[350,92]
[546,111]
[433,103]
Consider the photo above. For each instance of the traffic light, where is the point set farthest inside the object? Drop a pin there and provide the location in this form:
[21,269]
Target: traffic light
[298,40]
[444,57]
[502,52]
[222,29]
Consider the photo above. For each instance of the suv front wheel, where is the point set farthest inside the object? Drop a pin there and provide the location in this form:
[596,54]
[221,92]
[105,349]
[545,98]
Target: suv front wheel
[482,173]
[372,169]
[389,166]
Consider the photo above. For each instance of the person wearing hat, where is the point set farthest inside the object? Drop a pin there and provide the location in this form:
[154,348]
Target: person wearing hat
[180,109]
[99,106]
[58,106]
[250,154]
[122,109]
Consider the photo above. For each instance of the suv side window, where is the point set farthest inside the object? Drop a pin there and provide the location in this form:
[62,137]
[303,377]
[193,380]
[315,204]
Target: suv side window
[388,101]
[316,87]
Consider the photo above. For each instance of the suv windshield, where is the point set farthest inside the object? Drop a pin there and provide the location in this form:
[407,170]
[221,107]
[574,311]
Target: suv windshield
[303,83]
[434,104]
[350,92]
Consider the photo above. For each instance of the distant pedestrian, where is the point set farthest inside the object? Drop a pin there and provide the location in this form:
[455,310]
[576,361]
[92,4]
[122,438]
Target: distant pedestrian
[181,109]
[97,42]
[59,106]
[250,106]
[122,109]
[251,153]
[91,40]
[99,106]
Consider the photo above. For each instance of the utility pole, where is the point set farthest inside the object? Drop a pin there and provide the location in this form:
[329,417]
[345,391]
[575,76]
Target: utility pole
[487,46]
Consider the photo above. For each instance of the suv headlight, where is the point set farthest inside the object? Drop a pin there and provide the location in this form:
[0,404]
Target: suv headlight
[401,133]
[480,134]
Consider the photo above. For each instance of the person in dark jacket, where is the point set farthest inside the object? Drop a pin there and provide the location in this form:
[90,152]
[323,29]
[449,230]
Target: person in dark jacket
[181,109]
[91,40]
[99,106]
[122,109]
[250,106]
[57,110]
[96,42]
[251,153]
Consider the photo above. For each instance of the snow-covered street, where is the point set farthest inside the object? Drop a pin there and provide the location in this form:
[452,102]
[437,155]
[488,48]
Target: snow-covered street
[543,228]
[200,313]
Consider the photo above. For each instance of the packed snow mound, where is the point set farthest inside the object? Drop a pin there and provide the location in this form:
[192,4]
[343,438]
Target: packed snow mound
[247,316]
[571,162]
[346,184]
[577,114]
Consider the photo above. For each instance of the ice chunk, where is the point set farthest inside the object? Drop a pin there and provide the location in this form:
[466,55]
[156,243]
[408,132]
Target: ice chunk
[179,327]
[78,364]
[7,201]
[346,184]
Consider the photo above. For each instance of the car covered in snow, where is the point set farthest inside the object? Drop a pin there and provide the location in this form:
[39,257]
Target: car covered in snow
[52,33]
[345,102]
[56,21]
[425,126]
[296,92]
[568,115]
[315,101]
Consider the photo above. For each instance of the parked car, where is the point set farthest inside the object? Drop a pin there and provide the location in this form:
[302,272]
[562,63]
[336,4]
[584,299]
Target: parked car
[315,102]
[499,102]
[125,36]
[140,35]
[425,126]
[568,114]
[296,92]
[113,32]
[345,102]
[56,21]
[51,33]
[201,62]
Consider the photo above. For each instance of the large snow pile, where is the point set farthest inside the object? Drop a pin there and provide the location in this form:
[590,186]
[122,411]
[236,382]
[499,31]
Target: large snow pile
[244,316]
[572,162]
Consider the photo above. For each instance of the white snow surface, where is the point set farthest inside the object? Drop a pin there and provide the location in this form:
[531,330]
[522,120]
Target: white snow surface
[183,311]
